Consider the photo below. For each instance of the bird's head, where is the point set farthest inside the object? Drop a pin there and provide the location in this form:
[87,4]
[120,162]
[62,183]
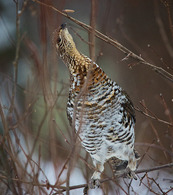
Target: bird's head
[63,41]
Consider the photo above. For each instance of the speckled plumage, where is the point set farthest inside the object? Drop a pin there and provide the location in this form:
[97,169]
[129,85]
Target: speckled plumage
[101,110]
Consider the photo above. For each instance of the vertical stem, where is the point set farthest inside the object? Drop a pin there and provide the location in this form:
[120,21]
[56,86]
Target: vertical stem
[16,60]
[92,33]
[169,7]
[6,137]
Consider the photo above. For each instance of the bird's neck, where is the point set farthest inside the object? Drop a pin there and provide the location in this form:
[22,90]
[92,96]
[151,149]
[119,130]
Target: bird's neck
[84,72]
[77,63]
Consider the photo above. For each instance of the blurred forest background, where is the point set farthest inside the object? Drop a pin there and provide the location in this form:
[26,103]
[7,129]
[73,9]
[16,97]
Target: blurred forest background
[37,150]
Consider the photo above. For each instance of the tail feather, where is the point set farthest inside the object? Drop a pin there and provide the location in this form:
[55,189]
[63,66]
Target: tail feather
[117,164]
[121,166]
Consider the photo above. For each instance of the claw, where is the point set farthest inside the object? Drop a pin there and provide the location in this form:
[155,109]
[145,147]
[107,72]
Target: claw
[94,183]
[131,175]
[127,173]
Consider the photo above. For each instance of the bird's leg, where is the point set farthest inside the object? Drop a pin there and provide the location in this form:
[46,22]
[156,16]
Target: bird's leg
[126,173]
[130,174]
[95,179]
[124,168]
[131,168]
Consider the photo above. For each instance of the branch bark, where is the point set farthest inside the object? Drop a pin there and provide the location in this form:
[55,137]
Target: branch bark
[92,33]
[63,188]
[129,54]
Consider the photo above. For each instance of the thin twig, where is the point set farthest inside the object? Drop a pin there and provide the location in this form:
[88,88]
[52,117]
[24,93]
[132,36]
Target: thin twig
[154,129]
[169,165]
[92,33]
[63,188]
[153,117]
[162,30]
[114,43]
[16,60]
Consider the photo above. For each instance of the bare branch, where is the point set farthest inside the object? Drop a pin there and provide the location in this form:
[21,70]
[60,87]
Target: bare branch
[153,117]
[162,29]
[92,33]
[114,43]
[63,188]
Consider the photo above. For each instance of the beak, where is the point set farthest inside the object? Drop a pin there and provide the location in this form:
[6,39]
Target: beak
[63,26]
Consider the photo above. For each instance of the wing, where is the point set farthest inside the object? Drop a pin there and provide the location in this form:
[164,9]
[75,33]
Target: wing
[122,128]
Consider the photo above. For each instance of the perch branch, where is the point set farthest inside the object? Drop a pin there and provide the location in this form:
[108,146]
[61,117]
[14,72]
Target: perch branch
[114,43]
[63,188]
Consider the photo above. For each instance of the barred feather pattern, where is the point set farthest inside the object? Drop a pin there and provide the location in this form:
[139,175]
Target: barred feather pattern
[102,112]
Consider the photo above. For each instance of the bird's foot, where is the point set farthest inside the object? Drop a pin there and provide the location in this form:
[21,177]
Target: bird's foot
[94,183]
[131,174]
[95,179]
[127,173]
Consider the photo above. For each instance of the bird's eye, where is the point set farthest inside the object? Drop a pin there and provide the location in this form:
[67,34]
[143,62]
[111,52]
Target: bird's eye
[58,40]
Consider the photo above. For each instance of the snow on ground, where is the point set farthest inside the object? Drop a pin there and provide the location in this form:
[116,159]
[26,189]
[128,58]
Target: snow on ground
[162,177]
